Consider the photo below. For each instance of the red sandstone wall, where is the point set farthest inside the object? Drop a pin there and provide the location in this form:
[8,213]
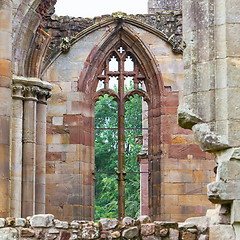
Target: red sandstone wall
[185,169]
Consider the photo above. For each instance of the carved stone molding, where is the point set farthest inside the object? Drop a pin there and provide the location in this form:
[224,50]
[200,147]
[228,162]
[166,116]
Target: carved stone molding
[31,89]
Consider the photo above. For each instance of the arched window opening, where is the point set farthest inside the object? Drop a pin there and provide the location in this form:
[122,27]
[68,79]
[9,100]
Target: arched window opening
[106,155]
[121,77]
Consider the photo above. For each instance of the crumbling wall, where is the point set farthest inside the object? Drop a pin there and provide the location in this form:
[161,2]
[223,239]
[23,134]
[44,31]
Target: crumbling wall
[169,22]
[180,170]
[211,87]
[46,227]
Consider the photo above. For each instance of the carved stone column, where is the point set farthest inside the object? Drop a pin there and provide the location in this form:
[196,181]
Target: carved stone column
[16,158]
[28,146]
[29,151]
[41,151]
[5,99]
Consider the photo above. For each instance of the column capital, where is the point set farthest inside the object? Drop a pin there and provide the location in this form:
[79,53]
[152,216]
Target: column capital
[33,89]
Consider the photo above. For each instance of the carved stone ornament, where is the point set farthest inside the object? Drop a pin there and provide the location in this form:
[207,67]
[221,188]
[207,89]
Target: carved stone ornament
[65,45]
[31,89]
[178,45]
[119,15]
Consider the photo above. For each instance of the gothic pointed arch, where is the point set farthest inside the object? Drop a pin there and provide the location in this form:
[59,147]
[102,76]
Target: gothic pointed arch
[124,37]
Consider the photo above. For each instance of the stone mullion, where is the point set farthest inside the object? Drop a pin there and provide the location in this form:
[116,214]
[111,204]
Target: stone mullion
[16,150]
[121,145]
[41,152]
[29,152]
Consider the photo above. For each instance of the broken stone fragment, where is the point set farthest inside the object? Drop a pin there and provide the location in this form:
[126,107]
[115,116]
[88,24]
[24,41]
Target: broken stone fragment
[108,224]
[144,219]
[65,235]
[90,231]
[163,232]
[188,236]
[128,221]
[208,140]
[201,223]
[42,220]
[223,192]
[186,225]
[61,224]
[75,225]
[173,234]
[20,222]
[162,228]
[8,233]
[53,231]
[51,237]
[147,229]
[115,234]
[2,222]
[186,118]
[27,232]
[130,233]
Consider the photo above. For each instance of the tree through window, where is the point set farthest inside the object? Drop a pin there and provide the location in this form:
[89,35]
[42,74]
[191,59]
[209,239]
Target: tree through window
[122,78]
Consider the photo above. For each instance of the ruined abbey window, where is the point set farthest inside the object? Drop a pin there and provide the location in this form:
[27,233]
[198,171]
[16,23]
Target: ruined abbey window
[118,128]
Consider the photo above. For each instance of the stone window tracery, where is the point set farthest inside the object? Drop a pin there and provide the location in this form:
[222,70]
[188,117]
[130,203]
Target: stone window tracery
[121,76]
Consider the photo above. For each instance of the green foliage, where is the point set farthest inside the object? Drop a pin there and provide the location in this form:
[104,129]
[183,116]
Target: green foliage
[106,157]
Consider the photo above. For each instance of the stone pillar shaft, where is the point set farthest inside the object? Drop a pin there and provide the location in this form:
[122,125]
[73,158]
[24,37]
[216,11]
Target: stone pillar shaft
[29,158]
[16,159]
[5,98]
[41,158]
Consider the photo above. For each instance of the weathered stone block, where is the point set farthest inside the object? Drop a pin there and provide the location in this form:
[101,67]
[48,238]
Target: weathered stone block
[90,232]
[2,222]
[108,224]
[65,235]
[221,192]
[173,234]
[61,224]
[20,222]
[130,233]
[8,233]
[42,220]
[186,118]
[200,222]
[53,231]
[26,232]
[235,212]
[221,232]
[228,171]
[115,234]
[188,236]
[232,33]
[147,229]
[144,219]
[128,221]
[207,139]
